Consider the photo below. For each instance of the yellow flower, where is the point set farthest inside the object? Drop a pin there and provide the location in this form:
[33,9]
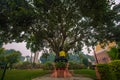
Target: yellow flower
[62,53]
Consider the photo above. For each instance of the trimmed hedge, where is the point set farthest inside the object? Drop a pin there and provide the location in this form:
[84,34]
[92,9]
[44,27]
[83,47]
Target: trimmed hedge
[110,71]
[115,68]
[105,72]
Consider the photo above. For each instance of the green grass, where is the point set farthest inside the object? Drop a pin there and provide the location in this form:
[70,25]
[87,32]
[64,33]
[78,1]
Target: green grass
[30,74]
[23,74]
[86,72]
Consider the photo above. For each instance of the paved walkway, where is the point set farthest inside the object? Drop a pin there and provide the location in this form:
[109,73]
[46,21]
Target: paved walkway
[47,77]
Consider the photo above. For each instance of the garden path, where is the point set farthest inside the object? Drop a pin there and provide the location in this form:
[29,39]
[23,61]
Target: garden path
[47,77]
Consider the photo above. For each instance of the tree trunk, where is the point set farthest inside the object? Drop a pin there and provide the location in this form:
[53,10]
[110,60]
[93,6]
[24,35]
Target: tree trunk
[36,54]
[34,57]
[31,58]
[57,54]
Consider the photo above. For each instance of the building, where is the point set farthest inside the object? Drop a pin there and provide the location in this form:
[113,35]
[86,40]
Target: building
[101,53]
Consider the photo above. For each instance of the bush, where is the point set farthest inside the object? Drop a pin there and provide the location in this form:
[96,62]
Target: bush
[48,66]
[27,65]
[115,68]
[24,65]
[74,65]
[60,64]
[105,72]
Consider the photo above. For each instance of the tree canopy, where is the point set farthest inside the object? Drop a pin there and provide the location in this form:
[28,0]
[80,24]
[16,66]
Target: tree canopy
[116,31]
[66,24]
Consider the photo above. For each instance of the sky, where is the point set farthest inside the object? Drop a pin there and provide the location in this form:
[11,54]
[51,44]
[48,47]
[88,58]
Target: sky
[117,1]
[22,48]
[19,47]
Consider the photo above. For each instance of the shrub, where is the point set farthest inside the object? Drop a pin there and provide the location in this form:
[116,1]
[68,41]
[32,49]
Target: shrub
[115,68]
[74,65]
[105,72]
[38,66]
[60,64]
[27,65]
[24,65]
[48,66]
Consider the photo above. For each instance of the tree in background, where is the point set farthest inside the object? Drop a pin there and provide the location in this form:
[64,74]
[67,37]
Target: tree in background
[47,57]
[22,58]
[77,58]
[50,58]
[28,58]
[9,56]
[114,52]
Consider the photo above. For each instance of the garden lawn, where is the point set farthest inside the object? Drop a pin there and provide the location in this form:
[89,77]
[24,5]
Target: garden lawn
[23,74]
[86,72]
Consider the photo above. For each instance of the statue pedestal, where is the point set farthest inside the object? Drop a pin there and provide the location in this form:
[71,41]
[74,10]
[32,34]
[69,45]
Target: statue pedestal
[61,72]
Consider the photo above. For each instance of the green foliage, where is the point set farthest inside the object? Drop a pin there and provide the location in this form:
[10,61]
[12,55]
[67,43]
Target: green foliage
[105,72]
[9,56]
[60,64]
[115,68]
[24,65]
[16,14]
[27,65]
[80,57]
[77,61]
[116,32]
[23,74]
[114,52]
[47,57]
[55,24]
[74,65]
[85,61]
[48,66]
[110,71]
[1,43]
[86,72]
[22,58]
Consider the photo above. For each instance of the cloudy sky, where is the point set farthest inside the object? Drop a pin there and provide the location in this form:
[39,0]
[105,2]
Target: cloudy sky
[117,1]
[21,46]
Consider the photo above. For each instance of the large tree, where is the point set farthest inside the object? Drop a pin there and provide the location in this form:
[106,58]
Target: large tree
[56,24]
[116,31]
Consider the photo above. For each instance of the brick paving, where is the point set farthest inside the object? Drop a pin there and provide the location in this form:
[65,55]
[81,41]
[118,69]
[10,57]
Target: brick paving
[47,77]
